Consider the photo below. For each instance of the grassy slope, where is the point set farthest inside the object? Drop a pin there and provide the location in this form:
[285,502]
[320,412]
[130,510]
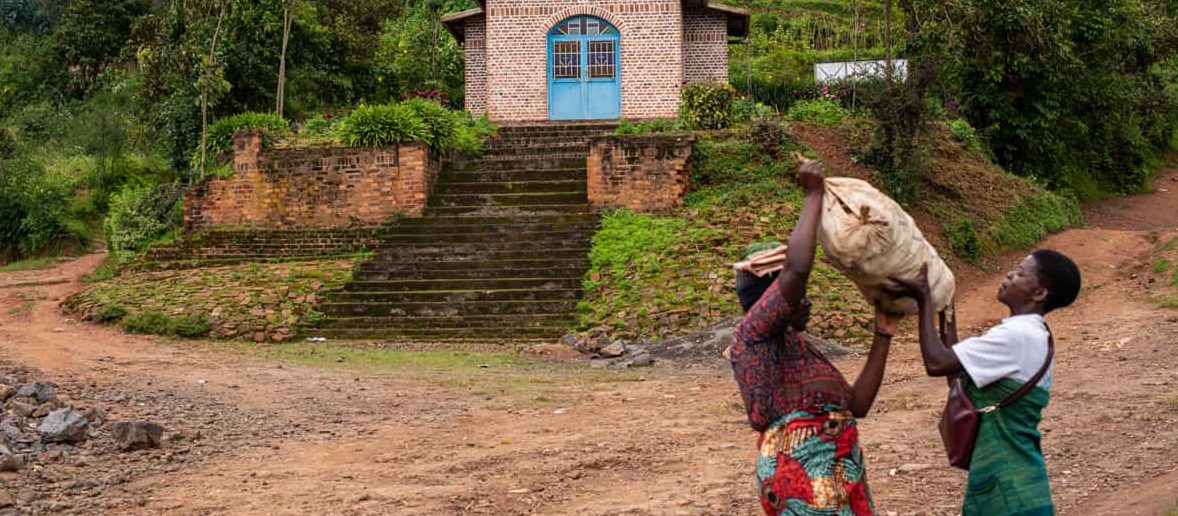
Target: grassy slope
[659,276]
[1158,275]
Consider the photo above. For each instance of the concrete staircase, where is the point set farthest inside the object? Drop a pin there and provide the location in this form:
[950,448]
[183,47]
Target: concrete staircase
[498,256]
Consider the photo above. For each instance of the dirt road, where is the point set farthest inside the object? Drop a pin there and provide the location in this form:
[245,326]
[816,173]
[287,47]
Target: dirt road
[270,433]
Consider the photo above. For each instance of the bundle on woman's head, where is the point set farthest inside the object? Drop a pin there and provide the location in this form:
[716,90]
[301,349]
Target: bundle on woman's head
[759,266]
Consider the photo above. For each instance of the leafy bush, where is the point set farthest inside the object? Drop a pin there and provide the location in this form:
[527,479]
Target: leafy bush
[320,125]
[110,313]
[149,323]
[372,126]
[658,125]
[966,135]
[471,133]
[745,109]
[773,138]
[140,215]
[441,123]
[34,210]
[191,327]
[964,240]
[221,132]
[707,105]
[822,111]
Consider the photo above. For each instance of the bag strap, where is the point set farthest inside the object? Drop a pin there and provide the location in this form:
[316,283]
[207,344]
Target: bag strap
[1030,384]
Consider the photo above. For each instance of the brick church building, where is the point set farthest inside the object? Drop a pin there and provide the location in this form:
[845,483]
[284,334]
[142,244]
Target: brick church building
[536,60]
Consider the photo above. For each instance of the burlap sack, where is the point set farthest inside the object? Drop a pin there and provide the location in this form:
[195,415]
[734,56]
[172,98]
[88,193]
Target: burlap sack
[869,237]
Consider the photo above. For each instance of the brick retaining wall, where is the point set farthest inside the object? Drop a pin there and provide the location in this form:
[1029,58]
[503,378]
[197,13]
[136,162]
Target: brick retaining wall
[316,187]
[649,173]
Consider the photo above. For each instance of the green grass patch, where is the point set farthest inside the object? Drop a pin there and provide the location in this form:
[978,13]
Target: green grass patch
[1030,219]
[1160,266]
[30,264]
[106,271]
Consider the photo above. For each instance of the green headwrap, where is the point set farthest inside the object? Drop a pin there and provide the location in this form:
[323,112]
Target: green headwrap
[758,247]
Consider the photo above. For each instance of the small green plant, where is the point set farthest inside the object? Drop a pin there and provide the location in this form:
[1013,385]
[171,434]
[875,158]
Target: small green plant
[222,131]
[966,135]
[319,125]
[654,126]
[707,105]
[149,323]
[138,216]
[191,327]
[964,240]
[373,126]
[105,271]
[1161,266]
[819,111]
[471,133]
[110,313]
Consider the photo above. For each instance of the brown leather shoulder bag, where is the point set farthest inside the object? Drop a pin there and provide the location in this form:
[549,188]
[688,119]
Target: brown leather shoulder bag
[961,419]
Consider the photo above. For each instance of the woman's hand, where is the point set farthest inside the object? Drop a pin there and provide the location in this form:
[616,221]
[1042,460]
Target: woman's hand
[810,175]
[885,323]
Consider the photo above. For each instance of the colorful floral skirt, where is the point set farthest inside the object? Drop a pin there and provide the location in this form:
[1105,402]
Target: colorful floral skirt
[810,464]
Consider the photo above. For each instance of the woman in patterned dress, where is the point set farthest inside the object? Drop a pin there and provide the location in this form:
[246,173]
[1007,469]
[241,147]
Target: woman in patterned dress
[810,462]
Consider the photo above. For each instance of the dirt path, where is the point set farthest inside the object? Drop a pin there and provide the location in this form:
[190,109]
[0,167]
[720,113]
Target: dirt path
[282,437]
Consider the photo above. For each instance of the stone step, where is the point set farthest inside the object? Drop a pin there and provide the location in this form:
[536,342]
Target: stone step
[530,148]
[478,253]
[506,187]
[447,309]
[554,320]
[434,219]
[504,336]
[512,211]
[486,284]
[512,163]
[448,227]
[510,176]
[429,238]
[459,297]
[511,199]
[506,272]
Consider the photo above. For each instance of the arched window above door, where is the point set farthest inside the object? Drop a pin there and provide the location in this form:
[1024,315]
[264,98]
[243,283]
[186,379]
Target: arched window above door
[583,26]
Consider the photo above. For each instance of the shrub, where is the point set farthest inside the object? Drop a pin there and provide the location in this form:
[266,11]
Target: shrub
[34,210]
[319,125]
[1032,218]
[191,327]
[773,137]
[441,123]
[821,111]
[372,126]
[966,135]
[658,125]
[110,313]
[964,240]
[149,323]
[707,105]
[222,131]
[745,109]
[138,216]
[471,133]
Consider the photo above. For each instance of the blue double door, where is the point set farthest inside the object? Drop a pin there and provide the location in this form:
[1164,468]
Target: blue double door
[584,70]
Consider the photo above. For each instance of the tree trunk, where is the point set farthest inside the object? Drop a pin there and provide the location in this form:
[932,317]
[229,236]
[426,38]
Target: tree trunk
[889,68]
[281,96]
[204,97]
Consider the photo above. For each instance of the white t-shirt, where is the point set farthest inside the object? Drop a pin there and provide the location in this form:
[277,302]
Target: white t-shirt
[1015,348]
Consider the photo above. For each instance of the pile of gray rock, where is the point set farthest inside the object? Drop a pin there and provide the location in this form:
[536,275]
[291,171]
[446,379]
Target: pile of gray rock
[611,354]
[38,426]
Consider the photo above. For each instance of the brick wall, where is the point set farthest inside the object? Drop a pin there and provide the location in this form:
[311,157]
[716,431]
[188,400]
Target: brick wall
[705,45]
[317,187]
[642,173]
[516,38]
[229,246]
[476,65]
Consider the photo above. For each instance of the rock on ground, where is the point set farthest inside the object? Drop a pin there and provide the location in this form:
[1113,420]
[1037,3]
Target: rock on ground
[137,435]
[64,426]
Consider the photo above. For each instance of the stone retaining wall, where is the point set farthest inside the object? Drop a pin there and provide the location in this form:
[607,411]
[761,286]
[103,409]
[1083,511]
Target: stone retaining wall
[318,187]
[648,173]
